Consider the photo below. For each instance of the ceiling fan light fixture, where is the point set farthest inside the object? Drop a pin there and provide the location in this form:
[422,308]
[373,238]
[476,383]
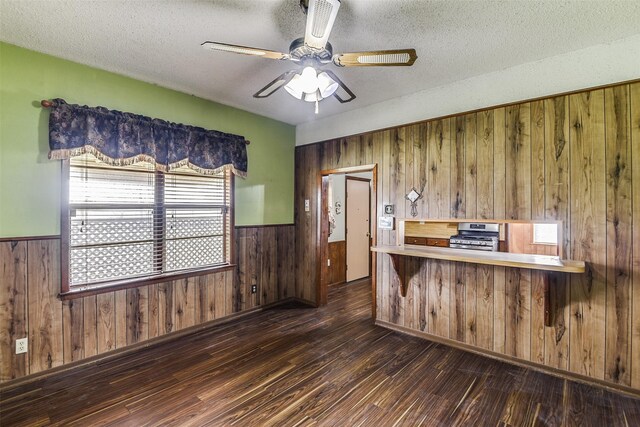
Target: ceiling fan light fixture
[326,85]
[312,97]
[309,80]
[294,87]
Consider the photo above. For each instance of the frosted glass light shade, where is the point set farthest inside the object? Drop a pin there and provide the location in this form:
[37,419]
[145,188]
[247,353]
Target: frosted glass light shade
[294,87]
[309,80]
[312,97]
[326,85]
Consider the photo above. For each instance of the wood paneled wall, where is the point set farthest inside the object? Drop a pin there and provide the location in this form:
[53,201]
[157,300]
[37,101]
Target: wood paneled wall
[61,332]
[572,158]
[337,271]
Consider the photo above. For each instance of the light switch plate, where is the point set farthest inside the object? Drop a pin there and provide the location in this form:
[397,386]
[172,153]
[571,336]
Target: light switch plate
[307,205]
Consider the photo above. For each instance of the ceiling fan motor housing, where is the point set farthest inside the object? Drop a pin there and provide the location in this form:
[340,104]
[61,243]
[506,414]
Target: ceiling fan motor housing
[301,52]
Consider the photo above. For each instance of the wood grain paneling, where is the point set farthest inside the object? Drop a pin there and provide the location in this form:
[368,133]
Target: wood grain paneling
[571,158]
[13,308]
[457,207]
[201,299]
[106,321]
[499,168]
[556,205]
[396,153]
[337,271]
[44,308]
[471,210]
[588,231]
[635,154]
[266,256]
[219,308]
[63,332]
[415,177]
[136,315]
[537,212]
[484,206]
[120,298]
[286,274]
[306,167]
[619,245]
[185,301]
[73,337]
[438,196]
[154,311]
[90,320]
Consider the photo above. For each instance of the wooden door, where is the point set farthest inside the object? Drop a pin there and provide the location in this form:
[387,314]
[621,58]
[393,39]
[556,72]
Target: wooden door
[357,228]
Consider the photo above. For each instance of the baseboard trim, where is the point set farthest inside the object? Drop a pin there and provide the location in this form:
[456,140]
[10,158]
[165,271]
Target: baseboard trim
[618,388]
[136,347]
[27,238]
[304,301]
[336,283]
[265,225]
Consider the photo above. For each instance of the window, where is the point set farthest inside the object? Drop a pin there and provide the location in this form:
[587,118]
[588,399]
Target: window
[545,234]
[133,222]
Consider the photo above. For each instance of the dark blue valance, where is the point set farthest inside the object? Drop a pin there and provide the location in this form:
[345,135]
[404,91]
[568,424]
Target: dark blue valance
[118,138]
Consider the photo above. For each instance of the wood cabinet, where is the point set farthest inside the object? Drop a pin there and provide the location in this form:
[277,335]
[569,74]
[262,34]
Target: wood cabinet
[441,243]
[411,240]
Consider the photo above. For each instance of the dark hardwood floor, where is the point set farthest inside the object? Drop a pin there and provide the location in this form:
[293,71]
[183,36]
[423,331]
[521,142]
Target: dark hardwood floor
[296,366]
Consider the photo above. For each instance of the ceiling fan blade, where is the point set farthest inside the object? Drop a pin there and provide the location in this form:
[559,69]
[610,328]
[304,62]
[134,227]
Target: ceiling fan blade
[350,96]
[380,58]
[245,50]
[276,84]
[321,15]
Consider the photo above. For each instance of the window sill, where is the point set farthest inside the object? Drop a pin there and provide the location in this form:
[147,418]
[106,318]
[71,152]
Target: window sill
[139,282]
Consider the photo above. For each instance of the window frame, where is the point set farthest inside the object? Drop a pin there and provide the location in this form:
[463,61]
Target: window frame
[67,292]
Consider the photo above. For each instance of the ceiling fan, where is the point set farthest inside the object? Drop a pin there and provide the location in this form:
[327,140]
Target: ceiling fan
[312,52]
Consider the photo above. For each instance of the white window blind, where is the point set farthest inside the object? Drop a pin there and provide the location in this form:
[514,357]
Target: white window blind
[130,222]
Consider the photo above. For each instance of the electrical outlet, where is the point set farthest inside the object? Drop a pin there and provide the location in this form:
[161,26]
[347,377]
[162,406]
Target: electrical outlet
[254,289]
[307,205]
[22,345]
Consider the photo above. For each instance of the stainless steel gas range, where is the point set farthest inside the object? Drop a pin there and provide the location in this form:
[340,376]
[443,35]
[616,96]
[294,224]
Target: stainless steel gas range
[476,235]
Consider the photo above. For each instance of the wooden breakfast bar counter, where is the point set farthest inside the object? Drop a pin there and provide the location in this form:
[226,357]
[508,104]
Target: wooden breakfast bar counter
[549,264]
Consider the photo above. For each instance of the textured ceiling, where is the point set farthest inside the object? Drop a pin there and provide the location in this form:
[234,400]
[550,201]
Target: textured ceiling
[159,41]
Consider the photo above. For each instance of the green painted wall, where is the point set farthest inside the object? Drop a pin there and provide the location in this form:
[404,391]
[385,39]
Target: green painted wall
[30,183]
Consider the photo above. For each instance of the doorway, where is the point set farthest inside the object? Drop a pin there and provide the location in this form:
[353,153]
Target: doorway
[357,229]
[326,226]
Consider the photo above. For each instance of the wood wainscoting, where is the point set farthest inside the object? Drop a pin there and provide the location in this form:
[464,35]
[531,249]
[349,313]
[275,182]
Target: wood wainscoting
[337,271]
[62,332]
[565,158]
